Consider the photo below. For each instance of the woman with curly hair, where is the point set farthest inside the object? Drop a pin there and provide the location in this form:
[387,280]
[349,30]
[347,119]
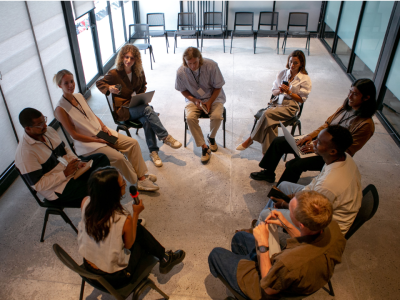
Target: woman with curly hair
[130,75]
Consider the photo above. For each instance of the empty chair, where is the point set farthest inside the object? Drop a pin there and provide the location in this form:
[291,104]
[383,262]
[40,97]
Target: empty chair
[213,26]
[297,19]
[266,23]
[186,27]
[243,19]
[157,20]
[141,31]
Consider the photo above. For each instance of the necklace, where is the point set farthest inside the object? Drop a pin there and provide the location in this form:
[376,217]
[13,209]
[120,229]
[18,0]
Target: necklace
[79,107]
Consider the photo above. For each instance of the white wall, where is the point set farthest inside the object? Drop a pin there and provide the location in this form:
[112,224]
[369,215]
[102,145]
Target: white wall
[170,8]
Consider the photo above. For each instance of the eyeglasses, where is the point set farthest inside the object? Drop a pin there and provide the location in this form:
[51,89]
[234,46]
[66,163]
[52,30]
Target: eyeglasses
[41,125]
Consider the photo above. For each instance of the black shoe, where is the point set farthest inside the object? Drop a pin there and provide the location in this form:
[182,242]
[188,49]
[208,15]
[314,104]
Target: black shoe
[213,144]
[174,258]
[263,175]
[205,155]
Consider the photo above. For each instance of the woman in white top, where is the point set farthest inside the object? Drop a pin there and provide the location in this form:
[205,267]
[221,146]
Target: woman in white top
[285,105]
[110,239]
[83,125]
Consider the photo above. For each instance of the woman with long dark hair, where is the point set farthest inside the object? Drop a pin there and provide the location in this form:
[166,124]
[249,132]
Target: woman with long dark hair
[110,239]
[291,87]
[355,114]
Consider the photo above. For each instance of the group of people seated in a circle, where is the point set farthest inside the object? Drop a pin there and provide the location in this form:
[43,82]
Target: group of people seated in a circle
[292,247]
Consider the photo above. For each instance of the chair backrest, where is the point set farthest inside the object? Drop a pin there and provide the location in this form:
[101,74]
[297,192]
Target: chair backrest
[245,19]
[212,20]
[186,21]
[155,20]
[33,192]
[68,137]
[298,19]
[268,18]
[369,206]
[71,264]
[139,31]
[301,105]
[110,103]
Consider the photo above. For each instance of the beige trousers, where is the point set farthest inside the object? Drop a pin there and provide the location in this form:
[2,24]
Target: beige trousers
[131,169]
[192,119]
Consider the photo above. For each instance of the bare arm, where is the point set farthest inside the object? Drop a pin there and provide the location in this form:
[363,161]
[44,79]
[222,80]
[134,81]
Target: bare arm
[130,226]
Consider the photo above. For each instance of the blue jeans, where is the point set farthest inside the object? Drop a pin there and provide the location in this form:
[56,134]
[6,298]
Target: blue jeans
[151,124]
[224,262]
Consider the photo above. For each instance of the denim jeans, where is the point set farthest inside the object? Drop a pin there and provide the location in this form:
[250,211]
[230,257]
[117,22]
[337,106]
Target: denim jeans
[151,124]
[225,263]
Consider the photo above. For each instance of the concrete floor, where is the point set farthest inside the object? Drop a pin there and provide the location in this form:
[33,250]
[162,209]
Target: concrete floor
[199,207]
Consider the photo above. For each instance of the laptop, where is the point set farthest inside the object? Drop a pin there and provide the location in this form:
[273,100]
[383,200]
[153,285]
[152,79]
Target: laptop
[292,142]
[139,99]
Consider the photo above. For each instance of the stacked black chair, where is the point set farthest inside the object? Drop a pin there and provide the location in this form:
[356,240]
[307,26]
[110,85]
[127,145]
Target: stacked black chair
[267,19]
[135,288]
[141,31]
[297,19]
[157,20]
[213,26]
[186,27]
[243,19]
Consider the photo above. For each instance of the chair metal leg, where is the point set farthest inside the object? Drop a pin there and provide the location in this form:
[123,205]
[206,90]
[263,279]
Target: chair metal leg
[331,289]
[284,159]
[223,128]
[231,41]
[284,44]
[223,40]
[137,131]
[197,39]
[68,221]
[46,218]
[254,42]
[151,63]
[186,128]
[201,48]
[153,286]
[277,45]
[254,126]
[175,44]
[82,289]
[299,124]
[166,41]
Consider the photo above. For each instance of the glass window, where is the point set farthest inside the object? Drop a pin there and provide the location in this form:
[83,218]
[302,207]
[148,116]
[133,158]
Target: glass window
[370,38]
[86,48]
[331,16]
[103,30]
[128,11]
[347,29]
[118,24]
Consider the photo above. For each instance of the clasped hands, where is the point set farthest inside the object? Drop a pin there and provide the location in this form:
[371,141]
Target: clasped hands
[207,104]
[261,232]
[283,88]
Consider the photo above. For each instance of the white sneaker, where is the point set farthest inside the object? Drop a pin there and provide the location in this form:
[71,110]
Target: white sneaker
[173,143]
[156,159]
[147,185]
[151,177]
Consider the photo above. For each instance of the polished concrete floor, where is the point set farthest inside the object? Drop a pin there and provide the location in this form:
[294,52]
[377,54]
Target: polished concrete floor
[199,206]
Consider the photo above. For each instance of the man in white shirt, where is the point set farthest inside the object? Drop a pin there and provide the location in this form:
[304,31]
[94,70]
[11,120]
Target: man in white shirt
[200,81]
[48,165]
[339,180]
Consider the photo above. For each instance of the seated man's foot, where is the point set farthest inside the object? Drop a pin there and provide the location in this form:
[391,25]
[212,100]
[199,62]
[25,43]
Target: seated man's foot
[147,185]
[205,155]
[151,177]
[213,144]
[170,260]
[263,175]
[173,143]
[156,159]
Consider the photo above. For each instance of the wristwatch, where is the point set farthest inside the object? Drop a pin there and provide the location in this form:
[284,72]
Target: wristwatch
[263,249]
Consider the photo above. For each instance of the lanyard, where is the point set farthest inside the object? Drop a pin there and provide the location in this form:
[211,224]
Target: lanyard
[342,119]
[79,108]
[52,148]
[198,78]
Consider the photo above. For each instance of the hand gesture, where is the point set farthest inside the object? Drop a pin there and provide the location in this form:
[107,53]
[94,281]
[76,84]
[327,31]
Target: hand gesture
[137,209]
[305,140]
[261,234]
[208,106]
[307,148]
[81,164]
[71,167]
[105,129]
[274,217]
[279,203]
[113,89]
[197,102]
[99,140]
[284,88]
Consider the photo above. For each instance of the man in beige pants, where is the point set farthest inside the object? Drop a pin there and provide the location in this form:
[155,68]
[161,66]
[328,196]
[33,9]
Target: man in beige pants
[200,81]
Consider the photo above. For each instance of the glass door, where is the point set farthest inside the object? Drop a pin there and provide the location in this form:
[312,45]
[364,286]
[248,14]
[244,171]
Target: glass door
[331,17]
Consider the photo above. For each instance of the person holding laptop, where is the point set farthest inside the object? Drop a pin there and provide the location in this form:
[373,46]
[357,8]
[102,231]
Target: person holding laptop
[126,80]
[83,126]
[355,114]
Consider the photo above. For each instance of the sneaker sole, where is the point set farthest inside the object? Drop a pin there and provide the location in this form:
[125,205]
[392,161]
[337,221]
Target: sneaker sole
[177,262]
[148,189]
[173,147]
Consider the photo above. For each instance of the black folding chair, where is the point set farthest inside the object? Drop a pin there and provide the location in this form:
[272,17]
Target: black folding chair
[51,208]
[244,19]
[157,20]
[136,288]
[141,31]
[297,19]
[267,19]
[204,116]
[213,26]
[122,125]
[186,27]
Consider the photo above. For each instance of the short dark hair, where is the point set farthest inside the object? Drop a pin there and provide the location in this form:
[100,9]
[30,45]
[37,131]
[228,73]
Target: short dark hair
[27,115]
[367,88]
[341,137]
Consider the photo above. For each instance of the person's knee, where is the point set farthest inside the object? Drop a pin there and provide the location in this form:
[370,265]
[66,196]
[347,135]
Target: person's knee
[102,160]
[238,238]
[192,118]
[148,110]
[285,185]
[213,259]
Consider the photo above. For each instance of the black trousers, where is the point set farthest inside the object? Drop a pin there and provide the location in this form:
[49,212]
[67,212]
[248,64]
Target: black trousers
[76,190]
[144,243]
[294,167]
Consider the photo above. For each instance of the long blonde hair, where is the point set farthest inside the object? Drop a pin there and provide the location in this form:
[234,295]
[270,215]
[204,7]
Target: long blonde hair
[119,61]
[59,76]
[190,53]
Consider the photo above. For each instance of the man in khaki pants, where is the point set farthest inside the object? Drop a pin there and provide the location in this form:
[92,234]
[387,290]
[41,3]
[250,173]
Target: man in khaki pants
[200,81]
